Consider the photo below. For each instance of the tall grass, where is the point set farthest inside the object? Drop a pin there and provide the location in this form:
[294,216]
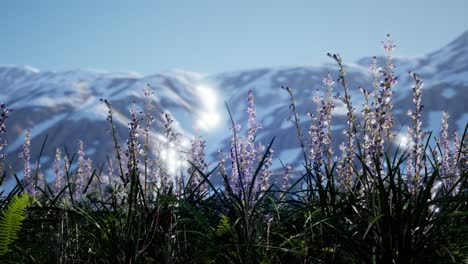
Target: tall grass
[370,201]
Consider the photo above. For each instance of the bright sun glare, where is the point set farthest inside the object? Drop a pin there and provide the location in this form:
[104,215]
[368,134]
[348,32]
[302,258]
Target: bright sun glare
[208,116]
[171,155]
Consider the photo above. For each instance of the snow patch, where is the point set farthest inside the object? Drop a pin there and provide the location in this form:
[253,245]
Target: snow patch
[449,93]
[31,69]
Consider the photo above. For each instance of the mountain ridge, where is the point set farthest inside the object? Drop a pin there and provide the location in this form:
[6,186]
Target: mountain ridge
[65,105]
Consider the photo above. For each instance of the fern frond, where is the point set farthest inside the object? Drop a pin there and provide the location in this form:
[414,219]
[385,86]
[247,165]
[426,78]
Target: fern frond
[11,220]
[223,226]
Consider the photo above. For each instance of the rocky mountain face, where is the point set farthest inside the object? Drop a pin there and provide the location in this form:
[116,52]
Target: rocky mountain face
[65,106]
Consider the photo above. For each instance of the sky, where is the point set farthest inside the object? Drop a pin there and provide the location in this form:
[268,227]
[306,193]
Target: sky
[216,36]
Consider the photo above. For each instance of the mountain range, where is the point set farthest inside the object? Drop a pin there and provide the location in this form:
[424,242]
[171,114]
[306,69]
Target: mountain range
[65,106]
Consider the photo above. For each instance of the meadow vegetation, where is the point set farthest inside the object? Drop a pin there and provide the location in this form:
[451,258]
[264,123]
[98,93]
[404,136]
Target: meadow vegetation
[370,201]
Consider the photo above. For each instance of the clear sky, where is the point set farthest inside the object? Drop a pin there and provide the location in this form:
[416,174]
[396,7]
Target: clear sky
[215,36]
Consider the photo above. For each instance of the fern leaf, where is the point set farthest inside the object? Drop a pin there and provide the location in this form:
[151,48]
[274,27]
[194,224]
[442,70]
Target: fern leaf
[223,226]
[11,220]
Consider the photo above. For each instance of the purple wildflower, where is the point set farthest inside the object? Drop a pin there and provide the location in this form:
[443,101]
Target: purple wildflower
[197,158]
[445,145]
[415,161]
[235,158]
[26,155]
[328,81]
[3,117]
[171,136]
[287,177]
[133,145]
[457,164]
[316,134]
[326,110]
[59,183]
[80,175]
[388,44]
[250,150]
[374,67]
[320,129]
[265,174]
[369,139]
[344,165]
[244,153]
[149,120]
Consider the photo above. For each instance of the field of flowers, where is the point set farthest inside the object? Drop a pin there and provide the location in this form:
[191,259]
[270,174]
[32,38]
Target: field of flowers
[370,201]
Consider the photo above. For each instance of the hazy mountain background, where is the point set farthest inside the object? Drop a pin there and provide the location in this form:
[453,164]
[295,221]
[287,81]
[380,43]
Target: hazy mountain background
[66,107]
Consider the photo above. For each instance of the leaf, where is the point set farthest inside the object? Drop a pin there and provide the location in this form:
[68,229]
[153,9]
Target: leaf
[371,224]
[11,220]
[223,226]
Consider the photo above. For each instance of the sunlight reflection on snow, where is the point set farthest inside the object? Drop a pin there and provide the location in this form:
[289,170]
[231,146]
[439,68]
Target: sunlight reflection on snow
[208,117]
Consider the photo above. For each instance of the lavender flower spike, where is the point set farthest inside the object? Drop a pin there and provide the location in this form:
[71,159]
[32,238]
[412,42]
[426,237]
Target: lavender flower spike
[26,155]
[58,173]
[80,174]
[415,161]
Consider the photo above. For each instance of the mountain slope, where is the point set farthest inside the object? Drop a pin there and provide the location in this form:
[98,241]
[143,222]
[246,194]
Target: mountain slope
[66,107]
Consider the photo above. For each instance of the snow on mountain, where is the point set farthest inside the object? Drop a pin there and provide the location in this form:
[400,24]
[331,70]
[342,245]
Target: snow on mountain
[66,106]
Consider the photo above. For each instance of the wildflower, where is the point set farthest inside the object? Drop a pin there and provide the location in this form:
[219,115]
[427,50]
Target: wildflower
[389,81]
[265,174]
[388,44]
[458,155]
[347,156]
[149,119]
[133,145]
[459,160]
[59,184]
[168,127]
[197,158]
[250,149]
[445,145]
[110,170]
[80,173]
[326,113]
[3,117]
[328,81]
[287,177]
[243,154]
[235,158]
[374,67]
[296,120]
[26,155]
[316,138]
[415,161]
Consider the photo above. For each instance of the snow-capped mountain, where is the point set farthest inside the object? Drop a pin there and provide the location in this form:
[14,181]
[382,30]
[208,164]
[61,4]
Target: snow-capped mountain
[66,106]
[444,72]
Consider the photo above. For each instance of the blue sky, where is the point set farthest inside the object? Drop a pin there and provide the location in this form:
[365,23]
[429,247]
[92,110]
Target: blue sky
[216,36]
